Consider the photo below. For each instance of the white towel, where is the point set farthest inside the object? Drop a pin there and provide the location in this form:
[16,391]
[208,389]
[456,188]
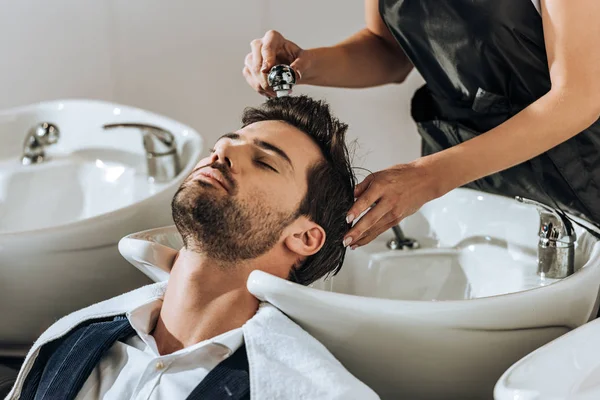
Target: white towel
[288,363]
[285,362]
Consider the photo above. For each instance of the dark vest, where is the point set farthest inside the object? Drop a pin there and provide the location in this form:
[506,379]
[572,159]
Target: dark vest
[63,365]
[484,61]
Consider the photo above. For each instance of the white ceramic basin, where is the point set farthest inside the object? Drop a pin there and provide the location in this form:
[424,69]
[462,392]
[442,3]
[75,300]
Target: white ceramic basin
[61,220]
[441,322]
[68,189]
[566,368]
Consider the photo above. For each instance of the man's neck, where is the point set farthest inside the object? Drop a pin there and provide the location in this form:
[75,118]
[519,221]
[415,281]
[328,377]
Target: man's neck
[203,299]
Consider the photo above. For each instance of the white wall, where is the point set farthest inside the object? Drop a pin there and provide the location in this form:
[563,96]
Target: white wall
[184,59]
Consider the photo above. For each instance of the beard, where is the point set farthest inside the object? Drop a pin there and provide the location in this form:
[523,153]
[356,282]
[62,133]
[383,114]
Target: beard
[223,227]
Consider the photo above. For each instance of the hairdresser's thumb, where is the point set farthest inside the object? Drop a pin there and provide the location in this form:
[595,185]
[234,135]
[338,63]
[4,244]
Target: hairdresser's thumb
[361,187]
[269,59]
[300,65]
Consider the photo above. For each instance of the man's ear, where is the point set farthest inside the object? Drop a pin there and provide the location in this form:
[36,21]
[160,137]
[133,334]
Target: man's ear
[306,237]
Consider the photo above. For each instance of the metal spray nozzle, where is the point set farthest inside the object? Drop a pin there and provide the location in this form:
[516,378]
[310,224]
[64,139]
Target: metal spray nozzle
[281,78]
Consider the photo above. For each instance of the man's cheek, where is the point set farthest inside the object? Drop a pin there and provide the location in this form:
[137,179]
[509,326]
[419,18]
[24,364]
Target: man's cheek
[203,162]
[268,195]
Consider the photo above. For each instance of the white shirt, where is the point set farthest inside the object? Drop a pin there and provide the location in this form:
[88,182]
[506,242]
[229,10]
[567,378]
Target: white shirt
[134,369]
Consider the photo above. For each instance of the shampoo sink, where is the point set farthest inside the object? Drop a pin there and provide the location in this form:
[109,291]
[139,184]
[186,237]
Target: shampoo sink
[69,191]
[566,368]
[440,322]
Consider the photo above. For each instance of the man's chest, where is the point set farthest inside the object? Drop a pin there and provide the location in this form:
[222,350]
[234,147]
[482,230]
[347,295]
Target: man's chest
[132,370]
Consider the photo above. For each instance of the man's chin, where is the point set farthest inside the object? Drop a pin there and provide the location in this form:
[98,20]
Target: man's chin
[211,186]
[194,189]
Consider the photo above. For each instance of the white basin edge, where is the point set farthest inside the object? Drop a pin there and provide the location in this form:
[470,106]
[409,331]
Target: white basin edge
[114,214]
[503,391]
[155,260]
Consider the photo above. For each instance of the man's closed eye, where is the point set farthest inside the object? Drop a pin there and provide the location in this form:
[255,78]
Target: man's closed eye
[264,165]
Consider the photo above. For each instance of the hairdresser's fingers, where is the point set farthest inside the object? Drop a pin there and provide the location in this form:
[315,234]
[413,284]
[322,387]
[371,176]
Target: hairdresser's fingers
[247,70]
[371,195]
[252,81]
[301,62]
[381,226]
[366,222]
[272,44]
[257,62]
[256,56]
[298,68]
[269,93]
[248,61]
[361,187]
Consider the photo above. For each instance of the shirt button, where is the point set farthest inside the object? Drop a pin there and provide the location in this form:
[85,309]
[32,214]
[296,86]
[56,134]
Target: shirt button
[159,365]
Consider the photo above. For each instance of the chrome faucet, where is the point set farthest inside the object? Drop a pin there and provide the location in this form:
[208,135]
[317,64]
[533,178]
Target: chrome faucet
[281,78]
[401,242]
[162,159]
[40,136]
[556,245]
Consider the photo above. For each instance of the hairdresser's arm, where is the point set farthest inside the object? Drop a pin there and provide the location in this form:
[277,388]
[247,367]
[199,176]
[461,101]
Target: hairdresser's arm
[571,33]
[371,57]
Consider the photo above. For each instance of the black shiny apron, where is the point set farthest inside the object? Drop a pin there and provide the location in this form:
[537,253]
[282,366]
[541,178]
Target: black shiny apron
[484,61]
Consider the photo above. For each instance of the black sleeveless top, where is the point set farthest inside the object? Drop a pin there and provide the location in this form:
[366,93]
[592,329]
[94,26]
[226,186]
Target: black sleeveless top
[484,61]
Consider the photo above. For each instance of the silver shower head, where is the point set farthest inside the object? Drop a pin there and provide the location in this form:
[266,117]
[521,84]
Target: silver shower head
[281,78]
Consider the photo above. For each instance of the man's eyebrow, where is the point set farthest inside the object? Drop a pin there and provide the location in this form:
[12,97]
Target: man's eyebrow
[231,135]
[271,147]
[262,144]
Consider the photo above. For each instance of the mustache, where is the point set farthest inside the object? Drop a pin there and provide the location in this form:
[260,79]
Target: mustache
[222,168]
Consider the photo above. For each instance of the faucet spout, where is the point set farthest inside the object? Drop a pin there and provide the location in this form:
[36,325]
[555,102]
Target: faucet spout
[161,150]
[40,136]
[556,244]
[401,242]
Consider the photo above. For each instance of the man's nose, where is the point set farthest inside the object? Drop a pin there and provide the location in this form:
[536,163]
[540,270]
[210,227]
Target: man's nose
[227,155]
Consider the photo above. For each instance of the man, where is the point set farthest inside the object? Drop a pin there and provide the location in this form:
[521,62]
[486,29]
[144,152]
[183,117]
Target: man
[272,196]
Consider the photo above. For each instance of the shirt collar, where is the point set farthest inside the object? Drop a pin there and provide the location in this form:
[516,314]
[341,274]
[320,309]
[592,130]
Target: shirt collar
[143,320]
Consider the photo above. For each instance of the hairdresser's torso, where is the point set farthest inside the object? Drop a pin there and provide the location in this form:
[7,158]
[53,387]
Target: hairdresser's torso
[483,62]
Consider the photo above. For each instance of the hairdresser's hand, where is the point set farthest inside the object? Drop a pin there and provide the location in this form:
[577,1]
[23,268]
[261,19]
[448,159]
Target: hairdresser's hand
[398,192]
[270,50]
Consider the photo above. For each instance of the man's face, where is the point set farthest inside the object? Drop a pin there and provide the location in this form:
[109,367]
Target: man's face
[236,203]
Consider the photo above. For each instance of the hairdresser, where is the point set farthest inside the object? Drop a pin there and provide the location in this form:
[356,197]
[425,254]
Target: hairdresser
[510,105]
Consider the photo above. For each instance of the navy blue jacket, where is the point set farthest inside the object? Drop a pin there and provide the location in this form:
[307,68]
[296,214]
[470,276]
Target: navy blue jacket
[63,365]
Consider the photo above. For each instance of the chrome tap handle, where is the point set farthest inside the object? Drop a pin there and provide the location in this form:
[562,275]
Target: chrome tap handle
[553,225]
[157,141]
[161,150]
[400,241]
[540,206]
[40,136]
[556,245]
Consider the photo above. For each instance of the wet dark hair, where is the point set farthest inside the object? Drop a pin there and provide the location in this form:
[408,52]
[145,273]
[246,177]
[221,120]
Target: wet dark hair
[330,193]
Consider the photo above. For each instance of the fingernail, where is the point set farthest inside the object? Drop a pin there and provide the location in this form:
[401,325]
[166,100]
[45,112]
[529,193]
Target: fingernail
[347,241]
[264,67]
[349,218]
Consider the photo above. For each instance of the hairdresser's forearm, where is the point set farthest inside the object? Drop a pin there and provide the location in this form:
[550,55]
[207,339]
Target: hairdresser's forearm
[551,120]
[363,60]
